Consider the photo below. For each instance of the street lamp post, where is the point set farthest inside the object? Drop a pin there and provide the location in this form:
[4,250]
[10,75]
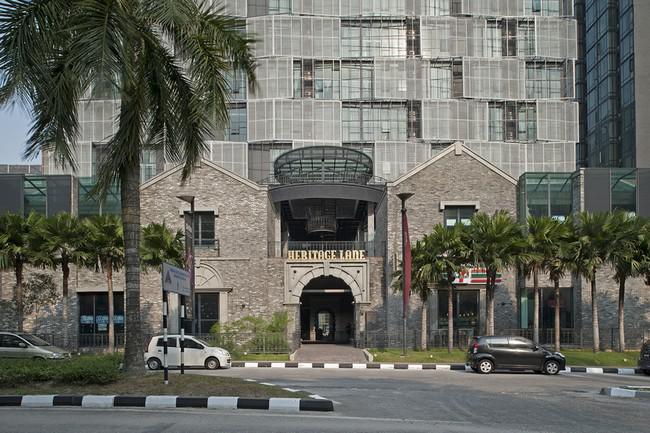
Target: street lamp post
[189,264]
[406,266]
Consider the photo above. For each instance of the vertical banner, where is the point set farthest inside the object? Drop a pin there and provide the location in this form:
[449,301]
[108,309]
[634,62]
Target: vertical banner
[406,261]
[189,255]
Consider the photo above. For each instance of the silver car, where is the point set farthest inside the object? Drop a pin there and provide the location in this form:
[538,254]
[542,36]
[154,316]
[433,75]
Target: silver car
[22,345]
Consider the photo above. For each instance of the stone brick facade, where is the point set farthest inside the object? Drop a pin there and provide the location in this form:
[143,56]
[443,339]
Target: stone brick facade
[455,175]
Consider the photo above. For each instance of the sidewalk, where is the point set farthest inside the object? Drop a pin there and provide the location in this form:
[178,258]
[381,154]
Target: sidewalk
[329,353]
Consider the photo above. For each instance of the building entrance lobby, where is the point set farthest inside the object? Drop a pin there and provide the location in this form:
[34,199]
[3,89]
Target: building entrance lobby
[326,311]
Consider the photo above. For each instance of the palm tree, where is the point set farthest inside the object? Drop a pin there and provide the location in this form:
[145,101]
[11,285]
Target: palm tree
[496,243]
[64,241]
[106,247]
[625,247]
[558,263]
[420,285]
[160,245]
[590,252]
[16,250]
[166,60]
[539,248]
[450,254]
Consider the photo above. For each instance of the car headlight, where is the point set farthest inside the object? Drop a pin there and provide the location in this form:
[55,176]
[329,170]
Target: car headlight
[559,354]
[58,355]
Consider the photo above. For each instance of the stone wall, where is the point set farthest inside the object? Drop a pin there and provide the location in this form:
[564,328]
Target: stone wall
[454,175]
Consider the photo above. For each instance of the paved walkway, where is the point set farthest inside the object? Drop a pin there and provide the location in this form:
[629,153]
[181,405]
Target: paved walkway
[329,353]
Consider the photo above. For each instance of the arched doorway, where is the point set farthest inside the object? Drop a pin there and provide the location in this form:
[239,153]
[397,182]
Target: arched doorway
[327,311]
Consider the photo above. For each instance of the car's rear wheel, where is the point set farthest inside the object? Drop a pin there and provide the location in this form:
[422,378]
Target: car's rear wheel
[485,366]
[551,367]
[153,364]
[212,363]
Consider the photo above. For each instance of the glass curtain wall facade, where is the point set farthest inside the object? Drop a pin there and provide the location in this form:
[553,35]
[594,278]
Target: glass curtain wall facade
[397,79]
[607,81]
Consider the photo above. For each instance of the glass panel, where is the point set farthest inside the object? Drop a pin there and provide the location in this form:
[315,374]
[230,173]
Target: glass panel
[204,229]
[623,184]
[440,81]
[207,305]
[35,194]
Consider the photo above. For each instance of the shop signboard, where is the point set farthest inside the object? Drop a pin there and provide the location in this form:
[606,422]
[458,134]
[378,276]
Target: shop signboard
[474,276]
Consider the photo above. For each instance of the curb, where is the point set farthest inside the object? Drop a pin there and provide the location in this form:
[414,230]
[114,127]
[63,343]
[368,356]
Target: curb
[168,401]
[406,366]
[622,392]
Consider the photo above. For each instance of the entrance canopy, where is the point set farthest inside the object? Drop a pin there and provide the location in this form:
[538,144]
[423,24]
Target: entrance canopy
[323,164]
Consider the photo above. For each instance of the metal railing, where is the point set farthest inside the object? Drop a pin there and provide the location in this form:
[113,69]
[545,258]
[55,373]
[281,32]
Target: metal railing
[249,342]
[436,338]
[581,337]
[371,248]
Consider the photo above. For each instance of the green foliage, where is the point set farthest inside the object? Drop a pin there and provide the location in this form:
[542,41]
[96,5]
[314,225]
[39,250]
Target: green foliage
[160,245]
[83,370]
[253,334]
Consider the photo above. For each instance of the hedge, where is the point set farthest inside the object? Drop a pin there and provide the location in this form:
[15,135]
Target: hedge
[82,370]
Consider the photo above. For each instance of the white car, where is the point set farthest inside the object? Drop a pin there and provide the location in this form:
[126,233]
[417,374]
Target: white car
[197,353]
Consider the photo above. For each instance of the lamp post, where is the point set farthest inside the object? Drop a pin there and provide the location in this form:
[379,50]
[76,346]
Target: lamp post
[406,266]
[189,254]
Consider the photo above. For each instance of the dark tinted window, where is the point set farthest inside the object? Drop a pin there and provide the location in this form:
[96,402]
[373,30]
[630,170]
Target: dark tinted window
[497,342]
[521,343]
[191,344]
[171,342]
[7,340]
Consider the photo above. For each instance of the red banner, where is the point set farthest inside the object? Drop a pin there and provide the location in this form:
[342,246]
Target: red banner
[406,261]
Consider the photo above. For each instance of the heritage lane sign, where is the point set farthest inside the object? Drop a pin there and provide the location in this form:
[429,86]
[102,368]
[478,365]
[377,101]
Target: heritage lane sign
[175,280]
[307,255]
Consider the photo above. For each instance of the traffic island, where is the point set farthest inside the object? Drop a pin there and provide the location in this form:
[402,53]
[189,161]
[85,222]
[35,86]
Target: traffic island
[274,404]
[627,391]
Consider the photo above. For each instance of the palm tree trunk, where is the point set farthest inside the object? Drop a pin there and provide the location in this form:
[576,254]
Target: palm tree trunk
[18,293]
[108,268]
[423,325]
[594,314]
[130,197]
[489,295]
[621,315]
[450,320]
[536,306]
[557,314]
[65,267]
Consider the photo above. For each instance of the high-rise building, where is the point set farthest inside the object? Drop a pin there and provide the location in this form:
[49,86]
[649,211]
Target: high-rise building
[611,82]
[396,79]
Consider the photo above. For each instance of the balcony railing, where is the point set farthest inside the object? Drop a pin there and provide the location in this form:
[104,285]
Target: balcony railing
[371,248]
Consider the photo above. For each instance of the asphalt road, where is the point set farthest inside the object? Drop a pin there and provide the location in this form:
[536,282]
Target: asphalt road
[384,401]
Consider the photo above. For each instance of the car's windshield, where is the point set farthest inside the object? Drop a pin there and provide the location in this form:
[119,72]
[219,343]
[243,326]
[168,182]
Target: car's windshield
[34,340]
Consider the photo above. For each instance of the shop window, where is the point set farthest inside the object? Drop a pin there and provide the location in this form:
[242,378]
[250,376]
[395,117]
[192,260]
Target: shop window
[547,308]
[93,313]
[207,311]
[466,309]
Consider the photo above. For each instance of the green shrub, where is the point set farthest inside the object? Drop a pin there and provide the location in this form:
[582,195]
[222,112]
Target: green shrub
[82,370]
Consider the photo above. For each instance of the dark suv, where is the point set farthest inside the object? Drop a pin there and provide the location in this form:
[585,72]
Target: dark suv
[644,358]
[486,354]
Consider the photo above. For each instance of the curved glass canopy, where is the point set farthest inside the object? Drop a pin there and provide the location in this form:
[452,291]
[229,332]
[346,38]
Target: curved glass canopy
[323,164]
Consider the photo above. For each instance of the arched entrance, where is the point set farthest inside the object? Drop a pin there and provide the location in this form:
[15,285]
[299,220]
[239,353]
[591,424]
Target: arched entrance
[327,311]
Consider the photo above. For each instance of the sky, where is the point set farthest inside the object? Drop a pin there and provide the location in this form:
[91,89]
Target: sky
[14,126]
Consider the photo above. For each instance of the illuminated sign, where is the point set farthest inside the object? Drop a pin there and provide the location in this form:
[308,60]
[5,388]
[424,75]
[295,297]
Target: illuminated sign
[310,255]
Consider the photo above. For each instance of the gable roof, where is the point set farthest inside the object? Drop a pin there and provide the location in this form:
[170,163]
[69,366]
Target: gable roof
[204,163]
[457,148]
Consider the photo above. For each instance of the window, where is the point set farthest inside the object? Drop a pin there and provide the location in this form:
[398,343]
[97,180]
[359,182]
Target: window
[547,308]
[207,311]
[512,121]
[237,129]
[7,340]
[171,342]
[356,80]
[440,87]
[521,343]
[93,317]
[493,41]
[318,79]
[497,341]
[147,165]
[204,229]
[458,214]
[191,344]
[544,81]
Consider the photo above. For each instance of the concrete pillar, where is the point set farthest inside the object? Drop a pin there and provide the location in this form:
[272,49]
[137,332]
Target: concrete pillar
[371,229]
